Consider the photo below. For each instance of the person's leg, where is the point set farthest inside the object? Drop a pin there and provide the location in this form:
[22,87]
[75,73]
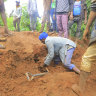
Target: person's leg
[70,23]
[18,24]
[59,24]
[52,13]
[3,15]
[35,22]
[48,21]
[31,22]
[68,61]
[87,60]
[43,22]
[14,22]
[65,25]
[66,56]
[80,89]
[82,81]
[78,32]
[56,24]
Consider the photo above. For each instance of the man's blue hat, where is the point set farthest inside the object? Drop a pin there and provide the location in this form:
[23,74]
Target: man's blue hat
[43,35]
[17,1]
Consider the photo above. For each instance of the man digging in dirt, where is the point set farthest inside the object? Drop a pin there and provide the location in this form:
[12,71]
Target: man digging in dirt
[89,58]
[58,46]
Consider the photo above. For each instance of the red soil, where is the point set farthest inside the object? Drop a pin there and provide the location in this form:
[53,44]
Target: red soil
[25,53]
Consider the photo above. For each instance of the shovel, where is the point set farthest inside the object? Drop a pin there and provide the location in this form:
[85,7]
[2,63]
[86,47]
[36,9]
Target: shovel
[31,76]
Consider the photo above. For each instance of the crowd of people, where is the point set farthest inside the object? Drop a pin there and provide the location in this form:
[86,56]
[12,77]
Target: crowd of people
[59,15]
[64,13]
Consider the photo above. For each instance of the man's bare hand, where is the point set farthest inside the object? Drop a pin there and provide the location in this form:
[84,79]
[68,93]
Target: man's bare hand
[85,35]
[71,17]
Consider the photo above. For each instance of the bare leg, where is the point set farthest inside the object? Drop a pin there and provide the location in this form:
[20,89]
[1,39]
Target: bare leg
[5,21]
[43,22]
[14,22]
[82,83]
[18,24]
[83,78]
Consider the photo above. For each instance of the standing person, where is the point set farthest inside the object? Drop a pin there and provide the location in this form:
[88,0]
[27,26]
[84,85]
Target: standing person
[46,15]
[89,57]
[17,13]
[79,13]
[63,7]
[3,15]
[58,46]
[53,15]
[33,13]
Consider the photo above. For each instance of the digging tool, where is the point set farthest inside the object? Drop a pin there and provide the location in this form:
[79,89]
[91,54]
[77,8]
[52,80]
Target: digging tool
[31,76]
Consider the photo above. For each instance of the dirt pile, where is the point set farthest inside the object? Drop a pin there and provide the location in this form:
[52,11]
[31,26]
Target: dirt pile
[24,53]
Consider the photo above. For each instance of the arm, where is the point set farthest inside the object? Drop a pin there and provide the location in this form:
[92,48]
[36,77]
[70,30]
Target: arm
[92,17]
[71,9]
[50,55]
[11,13]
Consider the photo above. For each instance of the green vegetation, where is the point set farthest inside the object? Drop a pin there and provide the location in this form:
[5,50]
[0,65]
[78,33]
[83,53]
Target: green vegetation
[74,26]
[25,21]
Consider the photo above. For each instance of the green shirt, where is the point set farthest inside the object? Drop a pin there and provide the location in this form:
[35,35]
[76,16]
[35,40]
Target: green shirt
[53,4]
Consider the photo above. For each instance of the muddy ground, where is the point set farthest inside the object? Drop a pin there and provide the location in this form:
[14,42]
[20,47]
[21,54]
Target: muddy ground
[25,53]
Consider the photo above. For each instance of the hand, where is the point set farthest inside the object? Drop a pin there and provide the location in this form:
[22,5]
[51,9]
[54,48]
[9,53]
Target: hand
[85,34]
[71,17]
[54,17]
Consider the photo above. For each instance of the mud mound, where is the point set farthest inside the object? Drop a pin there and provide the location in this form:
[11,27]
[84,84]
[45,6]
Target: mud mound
[24,53]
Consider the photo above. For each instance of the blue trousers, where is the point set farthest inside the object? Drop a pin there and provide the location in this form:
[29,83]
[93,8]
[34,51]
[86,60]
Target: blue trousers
[52,12]
[67,60]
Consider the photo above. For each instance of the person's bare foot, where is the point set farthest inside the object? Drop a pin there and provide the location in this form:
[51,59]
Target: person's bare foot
[76,90]
[7,33]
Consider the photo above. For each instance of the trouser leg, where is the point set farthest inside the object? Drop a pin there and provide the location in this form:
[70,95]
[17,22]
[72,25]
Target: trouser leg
[65,25]
[59,24]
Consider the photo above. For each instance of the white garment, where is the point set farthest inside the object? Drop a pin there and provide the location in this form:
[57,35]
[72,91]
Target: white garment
[17,12]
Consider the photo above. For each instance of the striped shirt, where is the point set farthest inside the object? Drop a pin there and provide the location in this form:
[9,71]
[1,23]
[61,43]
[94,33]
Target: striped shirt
[64,6]
[93,5]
